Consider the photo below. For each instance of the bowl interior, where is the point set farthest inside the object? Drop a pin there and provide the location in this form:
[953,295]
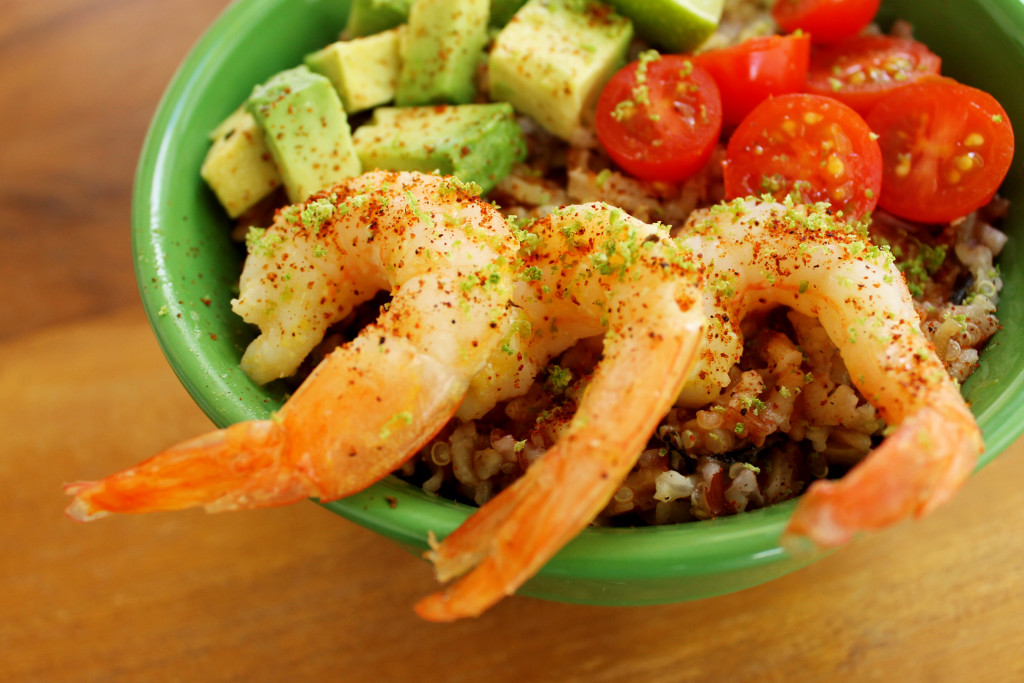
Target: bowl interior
[187,269]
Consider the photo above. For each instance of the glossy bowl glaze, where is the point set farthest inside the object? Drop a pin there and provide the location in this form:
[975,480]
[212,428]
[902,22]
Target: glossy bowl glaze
[187,269]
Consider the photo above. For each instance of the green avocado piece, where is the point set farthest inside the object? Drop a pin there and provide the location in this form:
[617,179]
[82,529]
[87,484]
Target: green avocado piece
[672,25]
[238,166]
[364,70]
[306,129]
[478,143]
[503,10]
[366,17]
[552,59]
[443,47]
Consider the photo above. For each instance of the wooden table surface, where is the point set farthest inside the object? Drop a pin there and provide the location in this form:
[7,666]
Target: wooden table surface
[297,592]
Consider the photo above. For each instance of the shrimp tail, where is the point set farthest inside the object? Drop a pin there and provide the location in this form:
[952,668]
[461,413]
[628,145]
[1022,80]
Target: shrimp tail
[509,542]
[517,532]
[920,466]
[233,468]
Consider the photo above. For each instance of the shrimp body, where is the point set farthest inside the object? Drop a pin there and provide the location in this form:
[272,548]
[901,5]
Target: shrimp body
[760,254]
[590,270]
[444,254]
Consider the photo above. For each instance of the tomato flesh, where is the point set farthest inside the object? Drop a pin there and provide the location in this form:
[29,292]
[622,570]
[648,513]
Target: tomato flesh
[811,147]
[861,71]
[828,21]
[660,117]
[756,69]
[946,148]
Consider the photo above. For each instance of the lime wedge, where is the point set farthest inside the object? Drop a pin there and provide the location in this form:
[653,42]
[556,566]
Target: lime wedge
[672,25]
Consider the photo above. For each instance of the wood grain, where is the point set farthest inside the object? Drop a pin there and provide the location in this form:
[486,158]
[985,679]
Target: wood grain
[297,592]
[81,79]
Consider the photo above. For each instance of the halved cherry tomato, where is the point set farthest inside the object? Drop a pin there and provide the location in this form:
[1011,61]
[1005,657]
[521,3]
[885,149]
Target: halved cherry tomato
[806,145]
[828,21]
[861,71]
[946,148]
[660,117]
[756,69]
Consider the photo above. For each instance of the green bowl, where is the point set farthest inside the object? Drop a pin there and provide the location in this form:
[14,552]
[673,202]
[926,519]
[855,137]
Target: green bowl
[187,269]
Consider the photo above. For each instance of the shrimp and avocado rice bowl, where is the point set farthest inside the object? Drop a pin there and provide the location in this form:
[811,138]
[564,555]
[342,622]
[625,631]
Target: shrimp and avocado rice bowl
[785,414]
[538,321]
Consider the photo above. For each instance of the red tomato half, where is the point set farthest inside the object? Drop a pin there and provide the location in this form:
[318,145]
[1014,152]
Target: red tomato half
[756,69]
[660,117]
[828,21]
[861,71]
[812,146]
[946,148]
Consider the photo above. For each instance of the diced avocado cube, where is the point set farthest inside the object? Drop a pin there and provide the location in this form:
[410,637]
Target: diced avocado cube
[553,58]
[478,143]
[366,17]
[306,130]
[238,167]
[364,71]
[443,47]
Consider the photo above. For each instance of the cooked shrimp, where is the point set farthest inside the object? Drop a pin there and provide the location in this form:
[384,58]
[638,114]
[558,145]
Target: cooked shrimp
[591,270]
[447,258]
[765,254]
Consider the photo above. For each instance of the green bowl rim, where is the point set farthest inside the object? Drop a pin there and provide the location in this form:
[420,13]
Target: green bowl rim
[400,510]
